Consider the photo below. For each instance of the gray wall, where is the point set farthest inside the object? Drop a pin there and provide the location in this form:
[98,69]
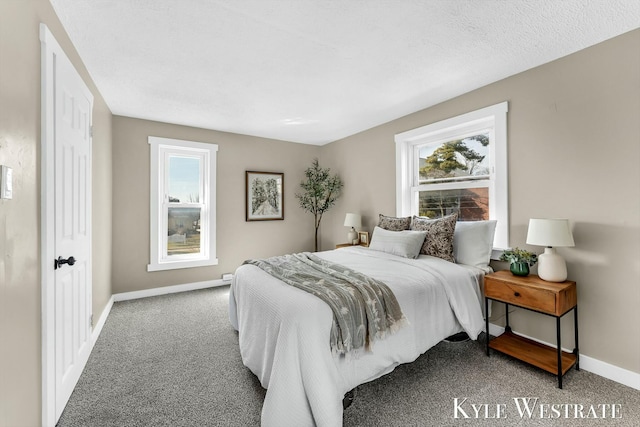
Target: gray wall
[574,152]
[20,332]
[237,239]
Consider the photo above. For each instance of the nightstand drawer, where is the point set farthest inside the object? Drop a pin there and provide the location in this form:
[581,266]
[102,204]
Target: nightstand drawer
[531,292]
[525,296]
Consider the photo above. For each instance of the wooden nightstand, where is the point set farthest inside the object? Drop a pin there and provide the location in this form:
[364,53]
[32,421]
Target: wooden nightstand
[535,294]
[344,245]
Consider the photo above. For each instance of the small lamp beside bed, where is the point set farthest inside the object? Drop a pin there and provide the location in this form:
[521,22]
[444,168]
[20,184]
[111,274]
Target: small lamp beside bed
[354,221]
[550,233]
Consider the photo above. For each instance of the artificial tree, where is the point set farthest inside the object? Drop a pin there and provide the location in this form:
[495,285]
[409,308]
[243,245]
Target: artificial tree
[320,192]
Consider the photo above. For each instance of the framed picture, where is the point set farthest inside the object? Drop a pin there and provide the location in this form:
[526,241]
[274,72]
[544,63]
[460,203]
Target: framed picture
[264,199]
[363,236]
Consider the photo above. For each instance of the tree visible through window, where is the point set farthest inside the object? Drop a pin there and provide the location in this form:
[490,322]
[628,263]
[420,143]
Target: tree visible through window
[459,160]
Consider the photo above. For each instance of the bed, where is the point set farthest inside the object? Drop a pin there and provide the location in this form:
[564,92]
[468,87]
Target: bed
[284,331]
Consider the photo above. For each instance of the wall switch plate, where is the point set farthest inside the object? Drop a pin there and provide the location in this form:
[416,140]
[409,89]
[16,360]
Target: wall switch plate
[6,184]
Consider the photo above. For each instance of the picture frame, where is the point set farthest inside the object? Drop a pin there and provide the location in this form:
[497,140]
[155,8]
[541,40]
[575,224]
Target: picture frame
[264,196]
[363,238]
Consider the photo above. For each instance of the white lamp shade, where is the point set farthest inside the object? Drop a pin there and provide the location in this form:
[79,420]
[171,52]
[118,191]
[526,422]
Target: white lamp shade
[549,232]
[353,220]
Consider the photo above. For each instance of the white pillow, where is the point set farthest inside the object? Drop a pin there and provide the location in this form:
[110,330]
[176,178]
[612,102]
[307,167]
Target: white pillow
[405,243]
[473,242]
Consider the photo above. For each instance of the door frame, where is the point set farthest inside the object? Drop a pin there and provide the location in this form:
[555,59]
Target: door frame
[49,50]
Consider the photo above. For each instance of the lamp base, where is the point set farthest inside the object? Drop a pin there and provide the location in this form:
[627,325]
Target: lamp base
[551,266]
[352,236]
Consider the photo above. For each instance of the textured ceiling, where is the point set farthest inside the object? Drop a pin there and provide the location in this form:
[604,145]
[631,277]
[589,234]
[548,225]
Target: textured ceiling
[314,71]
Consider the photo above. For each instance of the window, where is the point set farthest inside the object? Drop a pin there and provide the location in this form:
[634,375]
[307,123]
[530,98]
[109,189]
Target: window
[456,165]
[183,195]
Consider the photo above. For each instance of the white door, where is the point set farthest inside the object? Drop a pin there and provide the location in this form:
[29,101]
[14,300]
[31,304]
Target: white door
[71,261]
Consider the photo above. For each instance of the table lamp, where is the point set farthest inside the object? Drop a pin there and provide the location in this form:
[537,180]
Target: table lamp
[550,233]
[353,220]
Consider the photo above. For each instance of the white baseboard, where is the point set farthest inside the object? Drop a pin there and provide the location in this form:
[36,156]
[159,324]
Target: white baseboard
[595,366]
[97,328]
[495,330]
[124,296]
[612,372]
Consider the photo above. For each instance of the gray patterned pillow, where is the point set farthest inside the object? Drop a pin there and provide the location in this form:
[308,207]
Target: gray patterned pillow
[439,241]
[394,224]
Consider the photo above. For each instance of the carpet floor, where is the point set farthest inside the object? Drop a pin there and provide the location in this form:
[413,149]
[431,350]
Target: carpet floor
[173,360]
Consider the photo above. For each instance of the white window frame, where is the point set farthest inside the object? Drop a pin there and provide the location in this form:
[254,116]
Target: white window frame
[493,118]
[161,149]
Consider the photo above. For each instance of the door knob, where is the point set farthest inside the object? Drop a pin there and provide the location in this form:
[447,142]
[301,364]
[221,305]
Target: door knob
[61,261]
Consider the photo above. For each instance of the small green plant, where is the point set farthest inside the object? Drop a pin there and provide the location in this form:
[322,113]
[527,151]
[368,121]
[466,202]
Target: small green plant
[519,255]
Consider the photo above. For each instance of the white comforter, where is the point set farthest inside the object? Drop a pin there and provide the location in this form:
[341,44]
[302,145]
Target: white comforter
[284,331]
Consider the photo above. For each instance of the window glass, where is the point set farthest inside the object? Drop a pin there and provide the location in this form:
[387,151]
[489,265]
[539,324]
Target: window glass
[459,159]
[183,231]
[445,169]
[471,204]
[184,179]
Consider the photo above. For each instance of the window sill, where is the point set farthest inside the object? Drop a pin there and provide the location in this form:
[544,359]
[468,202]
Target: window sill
[496,253]
[181,264]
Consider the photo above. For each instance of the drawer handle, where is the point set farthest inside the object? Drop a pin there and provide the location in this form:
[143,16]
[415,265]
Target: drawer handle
[517,294]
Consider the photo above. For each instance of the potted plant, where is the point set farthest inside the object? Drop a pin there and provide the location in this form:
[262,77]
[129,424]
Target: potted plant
[320,191]
[519,260]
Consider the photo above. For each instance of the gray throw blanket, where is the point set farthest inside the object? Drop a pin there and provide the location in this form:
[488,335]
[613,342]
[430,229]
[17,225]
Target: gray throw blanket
[364,309]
